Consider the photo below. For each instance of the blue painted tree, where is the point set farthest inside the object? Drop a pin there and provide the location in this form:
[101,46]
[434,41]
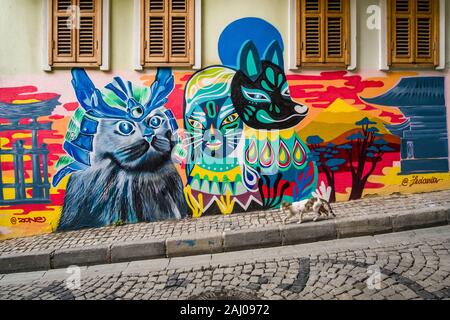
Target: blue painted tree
[365,149]
[326,157]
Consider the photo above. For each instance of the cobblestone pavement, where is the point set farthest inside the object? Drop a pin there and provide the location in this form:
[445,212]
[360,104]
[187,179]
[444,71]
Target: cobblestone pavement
[209,224]
[411,265]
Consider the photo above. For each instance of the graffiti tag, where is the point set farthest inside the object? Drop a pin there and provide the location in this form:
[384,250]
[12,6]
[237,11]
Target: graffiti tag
[409,182]
[15,220]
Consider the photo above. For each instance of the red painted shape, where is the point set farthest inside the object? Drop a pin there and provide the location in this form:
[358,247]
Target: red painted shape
[71,106]
[326,95]
[8,95]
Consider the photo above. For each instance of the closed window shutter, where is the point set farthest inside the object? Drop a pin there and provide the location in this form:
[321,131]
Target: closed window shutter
[156,31]
[88,47]
[168,31]
[336,31]
[402,31]
[311,26]
[76,32]
[425,32]
[324,31]
[63,37]
[413,31]
[179,31]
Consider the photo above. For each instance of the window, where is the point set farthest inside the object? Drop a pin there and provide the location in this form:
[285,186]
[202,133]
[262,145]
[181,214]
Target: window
[168,35]
[75,33]
[413,32]
[323,33]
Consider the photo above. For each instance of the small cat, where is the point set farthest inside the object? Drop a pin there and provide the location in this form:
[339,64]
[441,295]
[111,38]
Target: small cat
[119,155]
[317,205]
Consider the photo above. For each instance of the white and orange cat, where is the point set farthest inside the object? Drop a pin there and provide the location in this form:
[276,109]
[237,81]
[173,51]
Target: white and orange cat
[319,204]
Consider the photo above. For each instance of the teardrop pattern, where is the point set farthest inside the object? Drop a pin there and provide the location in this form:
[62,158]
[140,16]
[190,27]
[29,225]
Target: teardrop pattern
[266,156]
[284,156]
[251,155]
[299,153]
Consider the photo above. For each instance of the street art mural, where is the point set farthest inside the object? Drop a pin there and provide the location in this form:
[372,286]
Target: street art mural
[89,150]
[119,145]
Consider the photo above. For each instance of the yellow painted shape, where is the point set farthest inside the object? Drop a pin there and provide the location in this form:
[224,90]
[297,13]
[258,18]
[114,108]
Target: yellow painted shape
[21,135]
[230,174]
[25,101]
[339,118]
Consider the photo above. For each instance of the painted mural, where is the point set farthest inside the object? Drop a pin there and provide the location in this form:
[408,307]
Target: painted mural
[235,137]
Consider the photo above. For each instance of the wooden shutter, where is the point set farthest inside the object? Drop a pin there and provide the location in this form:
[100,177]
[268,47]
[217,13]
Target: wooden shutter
[336,40]
[324,32]
[156,30]
[312,31]
[426,31]
[168,32]
[88,36]
[62,40]
[413,33]
[75,35]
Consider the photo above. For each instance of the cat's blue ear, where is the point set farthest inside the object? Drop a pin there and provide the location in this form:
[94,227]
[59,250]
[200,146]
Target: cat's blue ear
[274,54]
[161,88]
[249,61]
[83,86]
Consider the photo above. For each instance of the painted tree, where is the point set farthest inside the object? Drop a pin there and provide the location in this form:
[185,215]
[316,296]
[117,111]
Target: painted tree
[365,149]
[326,158]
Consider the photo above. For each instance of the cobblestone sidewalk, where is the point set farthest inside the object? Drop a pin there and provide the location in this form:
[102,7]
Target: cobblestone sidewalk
[396,204]
[413,265]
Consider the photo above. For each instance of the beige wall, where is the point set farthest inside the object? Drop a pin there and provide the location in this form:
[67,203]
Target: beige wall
[21,22]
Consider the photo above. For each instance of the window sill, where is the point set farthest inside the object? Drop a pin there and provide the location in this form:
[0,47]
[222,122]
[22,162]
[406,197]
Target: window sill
[170,64]
[415,66]
[323,66]
[74,65]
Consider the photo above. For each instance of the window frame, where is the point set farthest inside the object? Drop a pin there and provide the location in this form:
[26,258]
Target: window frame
[348,45]
[414,59]
[103,62]
[194,23]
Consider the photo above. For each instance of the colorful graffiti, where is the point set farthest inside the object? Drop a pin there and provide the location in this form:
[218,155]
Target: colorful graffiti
[119,146]
[235,137]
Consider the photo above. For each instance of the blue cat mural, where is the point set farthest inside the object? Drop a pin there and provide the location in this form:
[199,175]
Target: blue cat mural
[119,145]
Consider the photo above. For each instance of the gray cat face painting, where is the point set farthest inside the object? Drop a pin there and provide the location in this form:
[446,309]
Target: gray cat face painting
[119,144]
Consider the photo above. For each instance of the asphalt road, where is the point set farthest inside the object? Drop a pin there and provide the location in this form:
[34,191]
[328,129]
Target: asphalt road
[406,265]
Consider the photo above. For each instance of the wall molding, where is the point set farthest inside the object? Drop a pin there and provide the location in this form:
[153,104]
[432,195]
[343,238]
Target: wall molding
[45,66]
[292,35]
[442,38]
[137,36]
[106,26]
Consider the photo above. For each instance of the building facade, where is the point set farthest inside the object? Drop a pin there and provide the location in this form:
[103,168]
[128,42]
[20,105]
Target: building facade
[148,110]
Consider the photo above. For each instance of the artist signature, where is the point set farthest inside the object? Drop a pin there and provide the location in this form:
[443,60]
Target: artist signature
[409,182]
[16,220]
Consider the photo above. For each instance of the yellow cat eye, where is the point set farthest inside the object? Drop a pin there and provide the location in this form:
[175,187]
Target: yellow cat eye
[231,118]
[195,124]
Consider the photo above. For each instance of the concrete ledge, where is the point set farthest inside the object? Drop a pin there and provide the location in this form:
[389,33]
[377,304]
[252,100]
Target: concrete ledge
[139,250]
[363,226]
[308,232]
[194,244]
[80,256]
[27,261]
[252,238]
[197,244]
[420,219]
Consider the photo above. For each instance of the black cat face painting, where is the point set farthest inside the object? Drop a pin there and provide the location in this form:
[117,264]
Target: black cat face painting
[260,91]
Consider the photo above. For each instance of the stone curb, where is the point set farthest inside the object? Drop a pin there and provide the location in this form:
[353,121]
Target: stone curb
[196,244]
